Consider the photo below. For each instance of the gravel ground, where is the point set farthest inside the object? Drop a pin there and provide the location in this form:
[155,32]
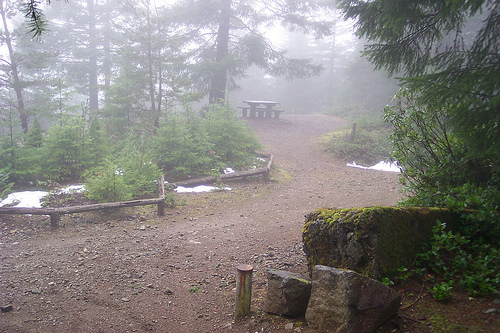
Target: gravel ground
[131,271]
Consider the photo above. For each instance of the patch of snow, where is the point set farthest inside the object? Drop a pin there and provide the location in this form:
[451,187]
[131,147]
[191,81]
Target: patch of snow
[381,166]
[198,189]
[25,199]
[72,188]
[228,170]
[31,199]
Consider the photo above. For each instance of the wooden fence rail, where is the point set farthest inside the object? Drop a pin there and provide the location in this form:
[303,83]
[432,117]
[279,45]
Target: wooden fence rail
[211,179]
[55,213]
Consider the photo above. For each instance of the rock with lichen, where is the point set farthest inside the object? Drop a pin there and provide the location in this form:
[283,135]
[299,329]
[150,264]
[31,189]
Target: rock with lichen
[343,301]
[287,293]
[373,241]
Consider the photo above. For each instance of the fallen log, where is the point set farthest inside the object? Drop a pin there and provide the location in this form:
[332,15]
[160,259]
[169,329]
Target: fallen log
[239,174]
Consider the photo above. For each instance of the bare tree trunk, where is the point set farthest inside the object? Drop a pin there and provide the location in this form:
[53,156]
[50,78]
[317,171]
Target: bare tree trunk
[219,79]
[160,92]
[152,99]
[15,75]
[160,77]
[93,86]
[107,54]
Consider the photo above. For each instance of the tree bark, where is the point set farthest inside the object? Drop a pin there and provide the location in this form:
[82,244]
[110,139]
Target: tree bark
[107,54]
[15,75]
[160,78]
[93,86]
[219,79]
[151,80]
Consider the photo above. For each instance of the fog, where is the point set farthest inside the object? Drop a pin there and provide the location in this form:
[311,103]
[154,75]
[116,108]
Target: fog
[147,52]
[347,84]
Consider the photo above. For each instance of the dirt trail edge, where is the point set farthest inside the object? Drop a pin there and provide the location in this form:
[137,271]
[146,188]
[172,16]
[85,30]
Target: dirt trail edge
[134,272]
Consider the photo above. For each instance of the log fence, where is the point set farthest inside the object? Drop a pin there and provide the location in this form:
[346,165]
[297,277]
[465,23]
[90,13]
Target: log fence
[55,213]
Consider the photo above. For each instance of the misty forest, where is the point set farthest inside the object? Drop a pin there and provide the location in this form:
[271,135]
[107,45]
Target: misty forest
[112,83]
[115,93]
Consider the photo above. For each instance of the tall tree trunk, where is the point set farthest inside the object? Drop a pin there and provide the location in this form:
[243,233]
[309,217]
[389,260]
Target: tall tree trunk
[160,92]
[150,65]
[15,75]
[107,53]
[219,79]
[333,73]
[93,87]
[160,76]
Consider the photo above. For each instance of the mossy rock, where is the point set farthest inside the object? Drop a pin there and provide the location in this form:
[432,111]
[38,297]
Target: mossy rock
[373,241]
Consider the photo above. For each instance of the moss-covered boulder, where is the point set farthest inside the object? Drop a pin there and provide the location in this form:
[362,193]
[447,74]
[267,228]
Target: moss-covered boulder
[372,241]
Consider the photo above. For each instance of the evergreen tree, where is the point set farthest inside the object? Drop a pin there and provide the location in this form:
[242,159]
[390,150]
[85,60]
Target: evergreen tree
[445,122]
[428,41]
[36,20]
[231,38]
[150,67]
[96,144]
[63,151]
[77,37]
[35,136]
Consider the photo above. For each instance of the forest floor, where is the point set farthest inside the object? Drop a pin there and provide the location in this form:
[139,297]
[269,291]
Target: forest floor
[132,271]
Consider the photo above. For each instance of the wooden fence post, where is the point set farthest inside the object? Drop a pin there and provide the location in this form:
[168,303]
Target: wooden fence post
[54,220]
[161,203]
[243,291]
[353,132]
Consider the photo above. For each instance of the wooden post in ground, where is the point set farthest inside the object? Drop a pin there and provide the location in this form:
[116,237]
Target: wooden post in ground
[243,291]
[161,203]
[54,220]
[161,208]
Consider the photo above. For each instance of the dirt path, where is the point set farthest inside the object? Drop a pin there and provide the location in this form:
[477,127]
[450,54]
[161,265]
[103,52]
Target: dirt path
[140,273]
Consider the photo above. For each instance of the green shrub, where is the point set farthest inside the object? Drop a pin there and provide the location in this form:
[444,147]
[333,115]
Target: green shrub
[452,256]
[5,185]
[106,184]
[442,169]
[35,136]
[234,142]
[182,151]
[27,166]
[366,147]
[139,171]
[442,291]
[191,146]
[63,152]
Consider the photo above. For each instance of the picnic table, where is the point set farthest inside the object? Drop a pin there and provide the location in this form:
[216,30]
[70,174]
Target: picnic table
[260,109]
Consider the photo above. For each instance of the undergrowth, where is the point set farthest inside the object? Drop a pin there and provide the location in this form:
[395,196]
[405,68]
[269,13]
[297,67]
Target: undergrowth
[363,142]
[452,259]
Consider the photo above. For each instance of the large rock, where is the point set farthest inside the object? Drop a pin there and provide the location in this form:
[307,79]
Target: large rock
[343,301]
[287,293]
[373,241]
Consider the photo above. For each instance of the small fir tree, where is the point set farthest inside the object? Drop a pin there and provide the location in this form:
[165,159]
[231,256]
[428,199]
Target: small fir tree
[96,146]
[35,135]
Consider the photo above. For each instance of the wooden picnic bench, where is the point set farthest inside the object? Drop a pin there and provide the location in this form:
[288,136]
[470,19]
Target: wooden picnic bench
[260,112]
[254,110]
